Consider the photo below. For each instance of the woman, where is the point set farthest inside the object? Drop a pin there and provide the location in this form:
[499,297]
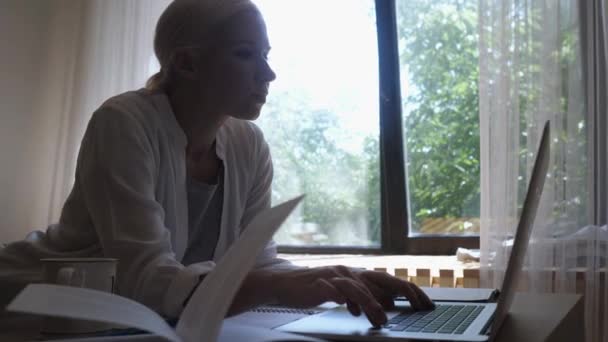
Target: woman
[168,176]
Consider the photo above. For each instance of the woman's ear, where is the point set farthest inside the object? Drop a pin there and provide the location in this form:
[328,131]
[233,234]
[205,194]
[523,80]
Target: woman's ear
[185,63]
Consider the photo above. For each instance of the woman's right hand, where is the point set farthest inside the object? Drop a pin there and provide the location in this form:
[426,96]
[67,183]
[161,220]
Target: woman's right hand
[362,291]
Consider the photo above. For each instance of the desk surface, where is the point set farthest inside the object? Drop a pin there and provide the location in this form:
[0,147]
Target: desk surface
[533,317]
[544,317]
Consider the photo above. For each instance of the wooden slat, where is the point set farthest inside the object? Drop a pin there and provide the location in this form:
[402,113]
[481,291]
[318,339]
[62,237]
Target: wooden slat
[401,273]
[551,274]
[434,281]
[459,282]
[446,278]
[579,275]
[470,278]
[423,277]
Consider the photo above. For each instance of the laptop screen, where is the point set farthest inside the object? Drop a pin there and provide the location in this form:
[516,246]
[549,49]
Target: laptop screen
[524,229]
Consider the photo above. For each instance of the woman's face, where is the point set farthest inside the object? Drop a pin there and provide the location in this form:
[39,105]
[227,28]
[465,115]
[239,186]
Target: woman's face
[234,75]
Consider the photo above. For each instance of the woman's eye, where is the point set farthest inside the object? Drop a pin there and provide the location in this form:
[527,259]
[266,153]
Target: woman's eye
[244,53]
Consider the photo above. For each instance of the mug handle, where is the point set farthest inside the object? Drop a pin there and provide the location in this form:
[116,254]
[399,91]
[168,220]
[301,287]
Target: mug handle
[64,276]
[70,277]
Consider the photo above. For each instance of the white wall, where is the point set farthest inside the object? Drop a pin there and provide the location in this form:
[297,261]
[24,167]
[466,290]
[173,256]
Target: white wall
[59,61]
[23,29]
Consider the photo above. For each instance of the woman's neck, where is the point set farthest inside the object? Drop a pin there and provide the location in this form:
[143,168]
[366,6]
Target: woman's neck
[199,122]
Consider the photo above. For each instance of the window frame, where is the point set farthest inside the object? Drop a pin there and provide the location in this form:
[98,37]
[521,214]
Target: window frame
[394,225]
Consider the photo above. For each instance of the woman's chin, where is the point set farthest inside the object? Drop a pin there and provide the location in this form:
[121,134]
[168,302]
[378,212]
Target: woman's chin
[250,114]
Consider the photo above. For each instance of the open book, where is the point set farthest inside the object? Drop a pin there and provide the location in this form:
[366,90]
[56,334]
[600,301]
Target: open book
[201,319]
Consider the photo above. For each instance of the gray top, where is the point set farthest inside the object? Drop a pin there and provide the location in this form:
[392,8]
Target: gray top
[204,218]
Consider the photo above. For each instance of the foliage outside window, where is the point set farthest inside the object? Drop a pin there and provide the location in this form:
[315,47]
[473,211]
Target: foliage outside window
[439,66]
[322,118]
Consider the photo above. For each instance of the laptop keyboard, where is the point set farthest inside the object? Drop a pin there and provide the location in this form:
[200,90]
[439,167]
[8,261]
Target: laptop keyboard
[444,319]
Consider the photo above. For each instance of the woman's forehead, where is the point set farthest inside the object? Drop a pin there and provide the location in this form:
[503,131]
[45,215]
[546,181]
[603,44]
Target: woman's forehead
[245,27]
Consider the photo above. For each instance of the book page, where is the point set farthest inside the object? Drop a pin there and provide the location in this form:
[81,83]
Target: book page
[232,332]
[202,317]
[81,303]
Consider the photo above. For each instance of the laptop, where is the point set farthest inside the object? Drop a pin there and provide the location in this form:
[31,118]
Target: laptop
[449,321]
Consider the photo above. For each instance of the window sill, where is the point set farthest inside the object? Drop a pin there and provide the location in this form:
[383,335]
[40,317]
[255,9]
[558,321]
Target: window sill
[424,270]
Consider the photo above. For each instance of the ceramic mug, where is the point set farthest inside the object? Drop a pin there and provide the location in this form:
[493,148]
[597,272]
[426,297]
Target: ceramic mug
[93,273]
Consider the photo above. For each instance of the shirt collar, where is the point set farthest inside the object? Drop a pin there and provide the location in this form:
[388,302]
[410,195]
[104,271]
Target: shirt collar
[164,106]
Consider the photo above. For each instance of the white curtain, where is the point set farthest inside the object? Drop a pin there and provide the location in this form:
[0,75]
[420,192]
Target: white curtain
[532,69]
[91,51]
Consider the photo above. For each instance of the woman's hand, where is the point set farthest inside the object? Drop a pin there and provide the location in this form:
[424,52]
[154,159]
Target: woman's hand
[369,292]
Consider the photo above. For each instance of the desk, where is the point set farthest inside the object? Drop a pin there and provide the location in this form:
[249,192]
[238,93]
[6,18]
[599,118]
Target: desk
[545,317]
[533,318]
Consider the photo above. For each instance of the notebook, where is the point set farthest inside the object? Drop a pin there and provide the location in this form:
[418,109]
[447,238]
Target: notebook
[449,321]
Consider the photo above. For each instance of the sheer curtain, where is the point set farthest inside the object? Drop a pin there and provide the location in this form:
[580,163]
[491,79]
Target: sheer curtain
[533,68]
[91,51]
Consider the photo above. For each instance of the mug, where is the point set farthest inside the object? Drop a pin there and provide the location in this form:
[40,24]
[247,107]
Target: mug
[92,273]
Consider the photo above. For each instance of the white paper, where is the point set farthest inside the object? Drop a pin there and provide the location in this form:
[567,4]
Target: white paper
[202,317]
[268,320]
[232,332]
[81,303]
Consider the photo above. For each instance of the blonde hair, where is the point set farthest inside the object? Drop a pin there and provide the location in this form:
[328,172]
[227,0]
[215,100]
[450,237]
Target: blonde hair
[188,23]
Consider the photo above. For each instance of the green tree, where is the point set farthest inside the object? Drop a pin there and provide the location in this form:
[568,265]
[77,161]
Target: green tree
[442,131]
[441,114]
[307,157]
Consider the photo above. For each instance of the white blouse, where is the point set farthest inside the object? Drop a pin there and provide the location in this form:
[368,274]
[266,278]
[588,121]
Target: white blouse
[129,201]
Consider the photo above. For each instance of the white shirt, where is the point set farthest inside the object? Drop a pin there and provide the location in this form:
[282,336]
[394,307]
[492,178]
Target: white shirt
[129,200]
[205,202]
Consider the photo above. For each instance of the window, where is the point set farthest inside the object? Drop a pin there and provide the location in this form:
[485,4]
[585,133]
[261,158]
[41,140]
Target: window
[322,121]
[439,77]
[348,118]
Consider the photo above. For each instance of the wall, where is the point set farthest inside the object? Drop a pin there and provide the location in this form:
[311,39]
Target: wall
[23,27]
[60,60]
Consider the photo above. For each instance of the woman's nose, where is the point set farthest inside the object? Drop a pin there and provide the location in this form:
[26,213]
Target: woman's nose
[265,72]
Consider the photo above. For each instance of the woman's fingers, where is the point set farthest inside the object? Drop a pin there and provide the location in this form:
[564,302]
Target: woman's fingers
[326,292]
[383,297]
[396,286]
[361,297]
[424,299]
[353,308]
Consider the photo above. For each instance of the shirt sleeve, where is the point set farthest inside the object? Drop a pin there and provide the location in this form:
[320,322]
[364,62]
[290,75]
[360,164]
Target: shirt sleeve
[259,199]
[118,172]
